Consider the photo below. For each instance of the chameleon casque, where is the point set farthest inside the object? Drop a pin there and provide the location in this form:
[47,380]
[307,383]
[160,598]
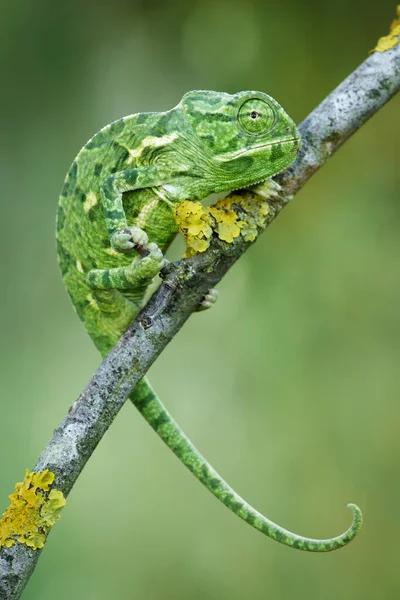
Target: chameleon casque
[116,219]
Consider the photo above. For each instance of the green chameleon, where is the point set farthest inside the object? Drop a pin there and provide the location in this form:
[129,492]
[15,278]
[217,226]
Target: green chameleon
[116,220]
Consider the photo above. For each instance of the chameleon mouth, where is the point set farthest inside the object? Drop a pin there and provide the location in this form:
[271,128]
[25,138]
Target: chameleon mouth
[253,148]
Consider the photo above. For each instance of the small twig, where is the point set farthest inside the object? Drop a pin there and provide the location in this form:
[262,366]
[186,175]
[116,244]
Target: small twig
[344,111]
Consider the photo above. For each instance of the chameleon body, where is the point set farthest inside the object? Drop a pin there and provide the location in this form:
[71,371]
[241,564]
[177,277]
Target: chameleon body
[116,219]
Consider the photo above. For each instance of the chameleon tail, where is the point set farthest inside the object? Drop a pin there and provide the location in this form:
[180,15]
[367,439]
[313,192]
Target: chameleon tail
[151,407]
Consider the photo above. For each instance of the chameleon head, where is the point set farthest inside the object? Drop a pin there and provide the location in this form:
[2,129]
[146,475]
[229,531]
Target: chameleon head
[247,136]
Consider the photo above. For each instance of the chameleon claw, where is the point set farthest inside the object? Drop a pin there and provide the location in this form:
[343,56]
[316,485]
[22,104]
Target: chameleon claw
[138,236]
[155,251]
[266,189]
[129,238]
[208,300]
[121,242]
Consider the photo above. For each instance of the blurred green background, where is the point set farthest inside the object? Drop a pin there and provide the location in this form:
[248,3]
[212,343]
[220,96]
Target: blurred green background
[289,386]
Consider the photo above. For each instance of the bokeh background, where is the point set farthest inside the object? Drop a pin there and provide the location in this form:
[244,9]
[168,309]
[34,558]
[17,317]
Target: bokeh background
[289,386]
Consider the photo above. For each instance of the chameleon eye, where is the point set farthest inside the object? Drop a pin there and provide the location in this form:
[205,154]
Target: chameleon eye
[256,117]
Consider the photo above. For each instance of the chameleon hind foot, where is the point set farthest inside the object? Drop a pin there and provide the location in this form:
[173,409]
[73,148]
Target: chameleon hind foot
[208,300]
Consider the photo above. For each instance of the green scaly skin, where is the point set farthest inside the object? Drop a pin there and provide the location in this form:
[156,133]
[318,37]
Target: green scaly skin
[119,194]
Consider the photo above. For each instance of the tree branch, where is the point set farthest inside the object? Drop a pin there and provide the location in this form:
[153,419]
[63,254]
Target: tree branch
[350,105]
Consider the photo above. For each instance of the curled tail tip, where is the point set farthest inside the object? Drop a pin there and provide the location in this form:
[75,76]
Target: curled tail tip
[342,540]
[155,413]
[357,518]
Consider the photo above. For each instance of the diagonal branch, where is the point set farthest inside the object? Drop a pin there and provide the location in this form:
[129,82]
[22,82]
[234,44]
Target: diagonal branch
[350,105]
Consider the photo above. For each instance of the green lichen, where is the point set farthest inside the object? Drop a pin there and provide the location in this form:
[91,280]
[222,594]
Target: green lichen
[253,211]
[33,510]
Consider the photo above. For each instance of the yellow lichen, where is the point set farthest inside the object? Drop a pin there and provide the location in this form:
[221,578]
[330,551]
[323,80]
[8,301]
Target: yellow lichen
[388,41]
[228,223]
[32,511]
[229,218]
[194,223]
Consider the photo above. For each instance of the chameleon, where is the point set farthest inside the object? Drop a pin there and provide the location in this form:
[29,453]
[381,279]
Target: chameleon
[116,220]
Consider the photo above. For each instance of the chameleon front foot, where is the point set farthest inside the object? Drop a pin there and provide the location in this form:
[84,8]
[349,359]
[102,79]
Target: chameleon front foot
[128,238]
[139,273]
[266,189]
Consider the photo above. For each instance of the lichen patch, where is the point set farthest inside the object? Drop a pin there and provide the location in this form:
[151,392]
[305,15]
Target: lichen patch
[33,510]
[388,41]
[228,218]
[228,223]
[194,222]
